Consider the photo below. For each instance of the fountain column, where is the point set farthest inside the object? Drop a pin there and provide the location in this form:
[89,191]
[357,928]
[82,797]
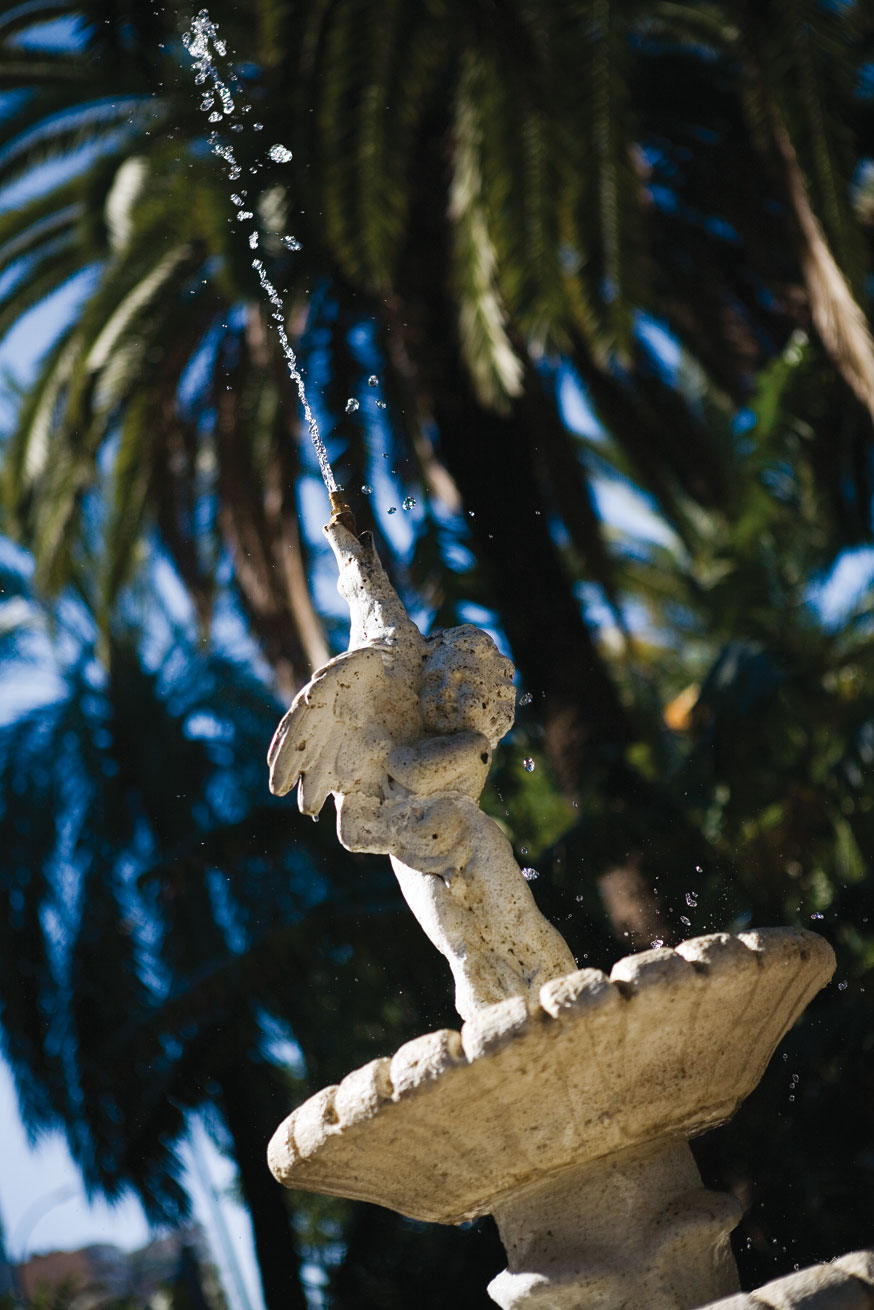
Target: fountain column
[634,1227]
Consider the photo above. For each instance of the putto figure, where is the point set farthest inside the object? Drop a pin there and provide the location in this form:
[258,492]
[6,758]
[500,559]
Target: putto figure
[401,730]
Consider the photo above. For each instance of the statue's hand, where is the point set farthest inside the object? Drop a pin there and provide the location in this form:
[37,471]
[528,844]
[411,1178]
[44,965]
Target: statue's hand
[455,763]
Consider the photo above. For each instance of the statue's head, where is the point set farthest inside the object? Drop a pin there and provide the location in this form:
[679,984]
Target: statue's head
[467,685]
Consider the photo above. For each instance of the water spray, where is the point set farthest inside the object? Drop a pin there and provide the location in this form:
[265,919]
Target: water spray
[204,44]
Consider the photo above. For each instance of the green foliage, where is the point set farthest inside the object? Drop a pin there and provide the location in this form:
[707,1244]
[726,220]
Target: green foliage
[570,152]
[486,202]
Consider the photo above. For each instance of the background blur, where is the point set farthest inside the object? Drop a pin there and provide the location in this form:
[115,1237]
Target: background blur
[596,274]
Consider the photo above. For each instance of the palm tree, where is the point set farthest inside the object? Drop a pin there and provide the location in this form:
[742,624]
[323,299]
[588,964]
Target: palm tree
[653,199]
[163,925]
[475,196]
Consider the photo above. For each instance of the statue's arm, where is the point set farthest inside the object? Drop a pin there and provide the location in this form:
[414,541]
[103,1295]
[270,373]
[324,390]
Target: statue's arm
[455,763]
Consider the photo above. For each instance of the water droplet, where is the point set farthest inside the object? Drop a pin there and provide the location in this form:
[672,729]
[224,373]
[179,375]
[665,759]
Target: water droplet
[236,127]
[842,986]
[471,513]
[279,154]
[579,900]
[526,698]
[243,214]
[381,404]
[253,240]
[373,380]
[687,922]
[367,490]
[530,874]
[291,243]
[409,502]
[528,764]
[215,117]
[238,199]
[698,868]
[393,509]
[257,127]
[692,899]
[523,850]
[816,916]
[657,942]
[351,405]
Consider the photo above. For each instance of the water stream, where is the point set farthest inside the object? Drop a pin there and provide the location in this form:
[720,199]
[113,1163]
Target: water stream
[205,46]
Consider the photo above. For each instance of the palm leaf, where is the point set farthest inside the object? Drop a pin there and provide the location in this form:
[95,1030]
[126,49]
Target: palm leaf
[495,369]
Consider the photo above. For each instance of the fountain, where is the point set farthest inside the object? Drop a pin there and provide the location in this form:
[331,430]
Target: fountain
[564,1105]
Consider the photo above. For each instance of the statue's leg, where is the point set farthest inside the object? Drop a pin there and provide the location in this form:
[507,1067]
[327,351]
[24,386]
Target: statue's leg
[480,913]
[362,825]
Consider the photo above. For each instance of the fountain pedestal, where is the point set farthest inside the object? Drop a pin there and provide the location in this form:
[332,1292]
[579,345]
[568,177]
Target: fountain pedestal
[634,1228]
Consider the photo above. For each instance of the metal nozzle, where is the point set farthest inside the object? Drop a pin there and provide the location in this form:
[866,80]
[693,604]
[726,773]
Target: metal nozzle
[340,511]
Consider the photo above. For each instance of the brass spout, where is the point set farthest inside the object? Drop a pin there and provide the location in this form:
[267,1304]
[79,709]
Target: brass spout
[341,512]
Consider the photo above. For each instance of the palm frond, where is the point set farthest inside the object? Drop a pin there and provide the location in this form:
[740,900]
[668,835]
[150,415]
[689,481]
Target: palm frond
[837,315]
[129,501]
[494,366]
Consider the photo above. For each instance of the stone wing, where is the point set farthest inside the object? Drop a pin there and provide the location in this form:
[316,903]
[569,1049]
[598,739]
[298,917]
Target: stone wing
[312,741]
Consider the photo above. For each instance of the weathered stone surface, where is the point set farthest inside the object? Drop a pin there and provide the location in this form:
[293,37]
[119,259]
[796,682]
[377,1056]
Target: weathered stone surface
[845,1284]
[636,1228]
[813,1288]
[860,1264]
[401,730]
[665,1048]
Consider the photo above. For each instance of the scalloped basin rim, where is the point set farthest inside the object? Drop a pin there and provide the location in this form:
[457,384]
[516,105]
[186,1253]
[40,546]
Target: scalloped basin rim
[667,1046]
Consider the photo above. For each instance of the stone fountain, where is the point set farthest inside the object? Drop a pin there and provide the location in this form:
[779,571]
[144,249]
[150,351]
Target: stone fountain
[564,1105]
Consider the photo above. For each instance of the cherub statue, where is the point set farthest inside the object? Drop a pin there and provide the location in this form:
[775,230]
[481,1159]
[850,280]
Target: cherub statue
[401,730]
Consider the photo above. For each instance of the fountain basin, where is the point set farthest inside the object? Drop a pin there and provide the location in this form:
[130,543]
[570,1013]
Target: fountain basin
[455,1123]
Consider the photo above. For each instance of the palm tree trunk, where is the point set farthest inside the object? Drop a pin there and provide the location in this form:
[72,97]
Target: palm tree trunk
[275,1245]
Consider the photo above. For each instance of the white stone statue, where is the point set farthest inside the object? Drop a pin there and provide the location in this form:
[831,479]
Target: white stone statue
[401,730]
[564,1105]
